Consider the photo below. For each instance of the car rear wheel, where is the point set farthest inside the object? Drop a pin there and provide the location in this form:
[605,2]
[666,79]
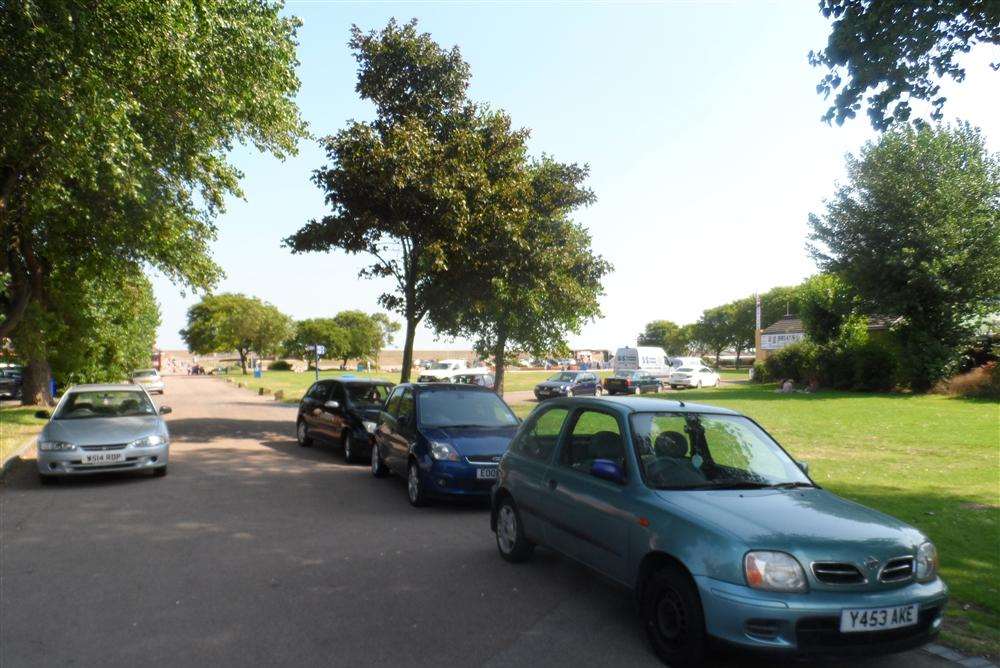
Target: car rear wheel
[673,618]
[673,387]
[302,434]
[349,454]
[414,486]
[378,466]
[514,546]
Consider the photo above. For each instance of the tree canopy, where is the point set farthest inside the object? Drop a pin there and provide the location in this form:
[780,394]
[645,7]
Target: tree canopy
[312,331]
[673,338]
[117,117]
[234,322]
[916,233]
[896,51]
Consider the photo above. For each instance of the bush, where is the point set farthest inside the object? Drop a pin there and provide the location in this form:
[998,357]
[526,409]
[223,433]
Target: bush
[280,365]
[759,373]
[797,361]
[875,367]
[279,395]
[983,381]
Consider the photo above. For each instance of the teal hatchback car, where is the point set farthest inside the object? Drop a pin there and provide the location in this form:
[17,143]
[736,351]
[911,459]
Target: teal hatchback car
[718,531]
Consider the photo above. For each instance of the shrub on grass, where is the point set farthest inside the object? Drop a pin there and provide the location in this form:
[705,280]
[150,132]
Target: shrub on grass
[280,365]
[279,395]
[875,367]
[797,361]
[262,391]
[760,373]
[983,381]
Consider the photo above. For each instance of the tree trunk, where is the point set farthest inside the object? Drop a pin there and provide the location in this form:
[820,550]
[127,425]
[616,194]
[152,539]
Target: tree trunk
[36,386]
[411,332]
[243,360]
[738,359]
[717,354]
[499,363]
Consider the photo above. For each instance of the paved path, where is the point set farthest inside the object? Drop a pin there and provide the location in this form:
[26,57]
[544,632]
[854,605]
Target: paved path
[255,551]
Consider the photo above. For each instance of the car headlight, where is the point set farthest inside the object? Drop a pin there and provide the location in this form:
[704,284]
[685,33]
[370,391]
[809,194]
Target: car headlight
[369,426]
[55,446]
[443,451]
[774,571]
[148,442]
[927,562]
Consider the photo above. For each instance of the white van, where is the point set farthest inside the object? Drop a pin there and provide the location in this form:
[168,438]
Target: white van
[643,358]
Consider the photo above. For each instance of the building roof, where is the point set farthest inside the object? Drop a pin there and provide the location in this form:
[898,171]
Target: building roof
[787,325]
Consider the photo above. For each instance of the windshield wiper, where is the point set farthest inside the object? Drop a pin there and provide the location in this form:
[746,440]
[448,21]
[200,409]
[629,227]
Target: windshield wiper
[791,485]
[725,484]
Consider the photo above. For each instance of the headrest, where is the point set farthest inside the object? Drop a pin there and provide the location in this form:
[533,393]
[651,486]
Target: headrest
[606,445]
[670,444]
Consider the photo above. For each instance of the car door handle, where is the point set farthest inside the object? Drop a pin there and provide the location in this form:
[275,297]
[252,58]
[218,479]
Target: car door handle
[553,484]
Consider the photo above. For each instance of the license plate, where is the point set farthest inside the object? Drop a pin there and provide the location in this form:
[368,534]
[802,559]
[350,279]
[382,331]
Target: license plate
[489,473]
[878,619]
[103,457]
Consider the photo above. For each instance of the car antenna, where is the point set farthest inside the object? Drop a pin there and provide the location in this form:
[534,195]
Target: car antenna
[680,403]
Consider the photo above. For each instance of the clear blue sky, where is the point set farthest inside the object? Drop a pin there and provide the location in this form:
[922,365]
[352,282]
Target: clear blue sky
[700,122]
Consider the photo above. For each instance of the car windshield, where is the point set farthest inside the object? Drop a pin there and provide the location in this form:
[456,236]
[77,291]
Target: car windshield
[686,369]
[367,395]
[104,404]
[440,365]
[145,373]
[563,378]
[704,451]
[458,408]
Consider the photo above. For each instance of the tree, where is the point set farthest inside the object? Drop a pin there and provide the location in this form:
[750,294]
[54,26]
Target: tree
[673,338]
[362,335]
[91,329]
[389,329]
[826,302]
[396,186]
[898,50]
[714,330]
[742,319]
[524,274]
[116,119]
[916,232]
[228,322]
[323,331]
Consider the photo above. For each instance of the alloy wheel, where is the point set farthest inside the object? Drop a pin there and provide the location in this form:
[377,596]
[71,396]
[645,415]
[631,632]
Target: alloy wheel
[348,450]
[506,529]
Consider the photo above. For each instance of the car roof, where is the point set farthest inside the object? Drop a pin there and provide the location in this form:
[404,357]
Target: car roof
[357,381]
[104,387]
[643,405]
[447,386]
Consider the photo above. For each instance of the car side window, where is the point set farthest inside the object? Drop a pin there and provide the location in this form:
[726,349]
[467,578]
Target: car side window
[594,435]
[406,404]
[538,439]
[337,393]
[392,405]
[317,391]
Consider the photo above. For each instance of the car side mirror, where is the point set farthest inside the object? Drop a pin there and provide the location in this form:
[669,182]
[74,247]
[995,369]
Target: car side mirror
[332,404]
[166,409]
[804,466]
[403,420]
[43,415]
[605,469]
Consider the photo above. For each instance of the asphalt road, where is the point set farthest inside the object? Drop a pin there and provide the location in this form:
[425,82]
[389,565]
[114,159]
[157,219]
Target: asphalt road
[256,551]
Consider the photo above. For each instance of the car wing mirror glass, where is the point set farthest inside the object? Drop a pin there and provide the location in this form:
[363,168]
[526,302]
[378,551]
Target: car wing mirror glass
[332,404]
[605,469]
[165,409]
[43,415]
[804,466]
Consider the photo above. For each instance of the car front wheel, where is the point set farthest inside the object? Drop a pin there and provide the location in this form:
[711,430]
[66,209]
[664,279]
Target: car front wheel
[511,541]
[415,487]
[673,618]
[349,454]
[302,434]
[378,466]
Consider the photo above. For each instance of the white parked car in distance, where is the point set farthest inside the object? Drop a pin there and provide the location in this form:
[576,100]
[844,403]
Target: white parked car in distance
[446,370]
[694,376]
[149,380]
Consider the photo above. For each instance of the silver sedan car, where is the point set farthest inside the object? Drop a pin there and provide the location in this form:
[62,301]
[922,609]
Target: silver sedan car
[99,428]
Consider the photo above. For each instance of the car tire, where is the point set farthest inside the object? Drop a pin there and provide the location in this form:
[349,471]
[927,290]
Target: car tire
[673,387]
[302,434]
[350,455]
[673,618]
[414,486]
[160,472]
[47,479]
[513,545]
[378,466]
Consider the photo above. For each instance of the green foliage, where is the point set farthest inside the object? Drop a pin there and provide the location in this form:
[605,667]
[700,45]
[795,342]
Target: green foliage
[825,301]
[363,335]
[227,322]
[388,327]
[397,186]
[327,332]
[797,362]
[916,233]
[280,365]
[673,338]
[898,50]
[92,328]
[760,374]
[116,120]
[714,330]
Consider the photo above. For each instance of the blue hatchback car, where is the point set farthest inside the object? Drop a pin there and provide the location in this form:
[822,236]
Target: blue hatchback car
[446,439]
[719,532]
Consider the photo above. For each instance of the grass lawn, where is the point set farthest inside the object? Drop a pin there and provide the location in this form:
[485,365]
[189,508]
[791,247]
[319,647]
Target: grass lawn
[295,384]
[932,461]
[16,426]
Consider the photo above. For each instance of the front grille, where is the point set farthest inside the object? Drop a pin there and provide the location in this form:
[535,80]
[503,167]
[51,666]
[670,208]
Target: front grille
[484,459]
[822,634]
[899,569]
[98,448]
[837,573]
[762,629]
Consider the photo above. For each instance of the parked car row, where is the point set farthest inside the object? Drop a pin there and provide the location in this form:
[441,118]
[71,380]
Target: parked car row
[717,530]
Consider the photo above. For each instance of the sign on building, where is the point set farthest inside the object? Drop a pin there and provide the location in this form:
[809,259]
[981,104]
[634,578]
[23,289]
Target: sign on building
[779,341]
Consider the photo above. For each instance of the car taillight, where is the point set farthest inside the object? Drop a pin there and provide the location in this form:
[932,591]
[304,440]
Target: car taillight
[628,382]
